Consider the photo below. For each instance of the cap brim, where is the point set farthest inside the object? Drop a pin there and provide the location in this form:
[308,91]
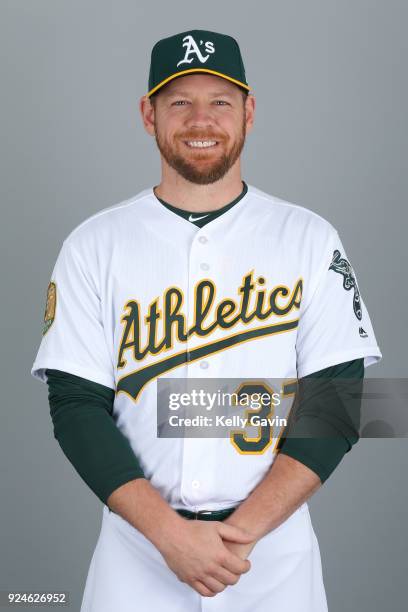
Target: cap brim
[183,72]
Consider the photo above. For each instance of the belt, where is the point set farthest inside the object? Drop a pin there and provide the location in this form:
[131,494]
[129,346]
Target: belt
[206,515]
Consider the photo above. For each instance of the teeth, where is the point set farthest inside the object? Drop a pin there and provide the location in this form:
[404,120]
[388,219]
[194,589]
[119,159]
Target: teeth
[201,143]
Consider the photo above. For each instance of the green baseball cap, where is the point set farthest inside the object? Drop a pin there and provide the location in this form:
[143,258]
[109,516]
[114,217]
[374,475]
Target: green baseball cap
[196,51]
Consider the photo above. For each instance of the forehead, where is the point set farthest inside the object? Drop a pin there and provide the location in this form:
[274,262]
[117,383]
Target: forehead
[200,83]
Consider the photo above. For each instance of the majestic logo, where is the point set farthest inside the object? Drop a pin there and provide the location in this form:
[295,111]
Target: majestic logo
[165,325]
[192,49]
[49,314]
[362,333]
[343,267]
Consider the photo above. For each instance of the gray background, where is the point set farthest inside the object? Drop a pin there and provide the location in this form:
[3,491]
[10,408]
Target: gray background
[330,134]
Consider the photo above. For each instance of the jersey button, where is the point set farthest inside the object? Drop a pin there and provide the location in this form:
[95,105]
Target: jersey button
[204,266]
[203,239]
[195,484]
[204,365]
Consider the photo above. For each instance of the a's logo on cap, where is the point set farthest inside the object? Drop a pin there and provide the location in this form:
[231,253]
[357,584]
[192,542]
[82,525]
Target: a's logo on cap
[193,49]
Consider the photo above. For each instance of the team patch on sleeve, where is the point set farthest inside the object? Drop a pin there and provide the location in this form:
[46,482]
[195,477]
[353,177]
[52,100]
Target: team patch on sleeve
[342,266]
[50,307]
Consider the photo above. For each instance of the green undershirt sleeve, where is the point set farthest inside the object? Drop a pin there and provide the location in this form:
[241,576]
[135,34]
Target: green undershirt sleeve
[82,415]
[325,418]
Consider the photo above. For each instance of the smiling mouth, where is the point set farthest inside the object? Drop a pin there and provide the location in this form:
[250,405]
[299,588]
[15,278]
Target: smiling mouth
[201,144]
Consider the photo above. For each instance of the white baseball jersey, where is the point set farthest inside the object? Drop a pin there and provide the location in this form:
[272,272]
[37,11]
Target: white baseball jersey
[263,291]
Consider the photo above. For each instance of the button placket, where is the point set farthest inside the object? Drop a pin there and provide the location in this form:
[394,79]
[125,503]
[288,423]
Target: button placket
[191,484]
[199,262]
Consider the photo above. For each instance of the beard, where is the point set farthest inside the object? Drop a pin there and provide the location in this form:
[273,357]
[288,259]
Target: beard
[200,170]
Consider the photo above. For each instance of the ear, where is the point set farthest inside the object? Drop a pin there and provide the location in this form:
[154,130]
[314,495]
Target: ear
[147,112]
[250,104]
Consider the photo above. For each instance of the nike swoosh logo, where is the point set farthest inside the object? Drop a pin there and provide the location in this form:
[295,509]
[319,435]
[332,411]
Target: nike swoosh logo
[191,218]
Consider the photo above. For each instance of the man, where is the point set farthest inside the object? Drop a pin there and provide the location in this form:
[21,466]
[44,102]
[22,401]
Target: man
[202,276]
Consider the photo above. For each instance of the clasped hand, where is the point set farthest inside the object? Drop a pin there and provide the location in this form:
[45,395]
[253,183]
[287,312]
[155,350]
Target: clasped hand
[208,555]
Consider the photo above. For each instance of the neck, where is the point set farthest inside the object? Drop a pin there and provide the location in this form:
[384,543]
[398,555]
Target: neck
[175,190]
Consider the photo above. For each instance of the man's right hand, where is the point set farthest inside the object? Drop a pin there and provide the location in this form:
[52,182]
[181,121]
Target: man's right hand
[196,553]
[193,549]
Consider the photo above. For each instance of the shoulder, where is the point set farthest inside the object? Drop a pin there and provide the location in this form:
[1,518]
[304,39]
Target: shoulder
[292,214]
[100,224]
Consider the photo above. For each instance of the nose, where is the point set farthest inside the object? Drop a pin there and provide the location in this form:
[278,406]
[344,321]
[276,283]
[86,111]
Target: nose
[200,115]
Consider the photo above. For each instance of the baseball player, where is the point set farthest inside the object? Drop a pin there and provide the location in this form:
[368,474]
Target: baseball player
[203,276]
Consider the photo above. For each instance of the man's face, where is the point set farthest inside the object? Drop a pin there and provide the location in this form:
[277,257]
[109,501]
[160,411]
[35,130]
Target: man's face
[200,126]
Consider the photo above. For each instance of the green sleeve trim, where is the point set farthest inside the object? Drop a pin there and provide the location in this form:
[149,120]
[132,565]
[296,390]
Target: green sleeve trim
[348,369]
[81,412]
